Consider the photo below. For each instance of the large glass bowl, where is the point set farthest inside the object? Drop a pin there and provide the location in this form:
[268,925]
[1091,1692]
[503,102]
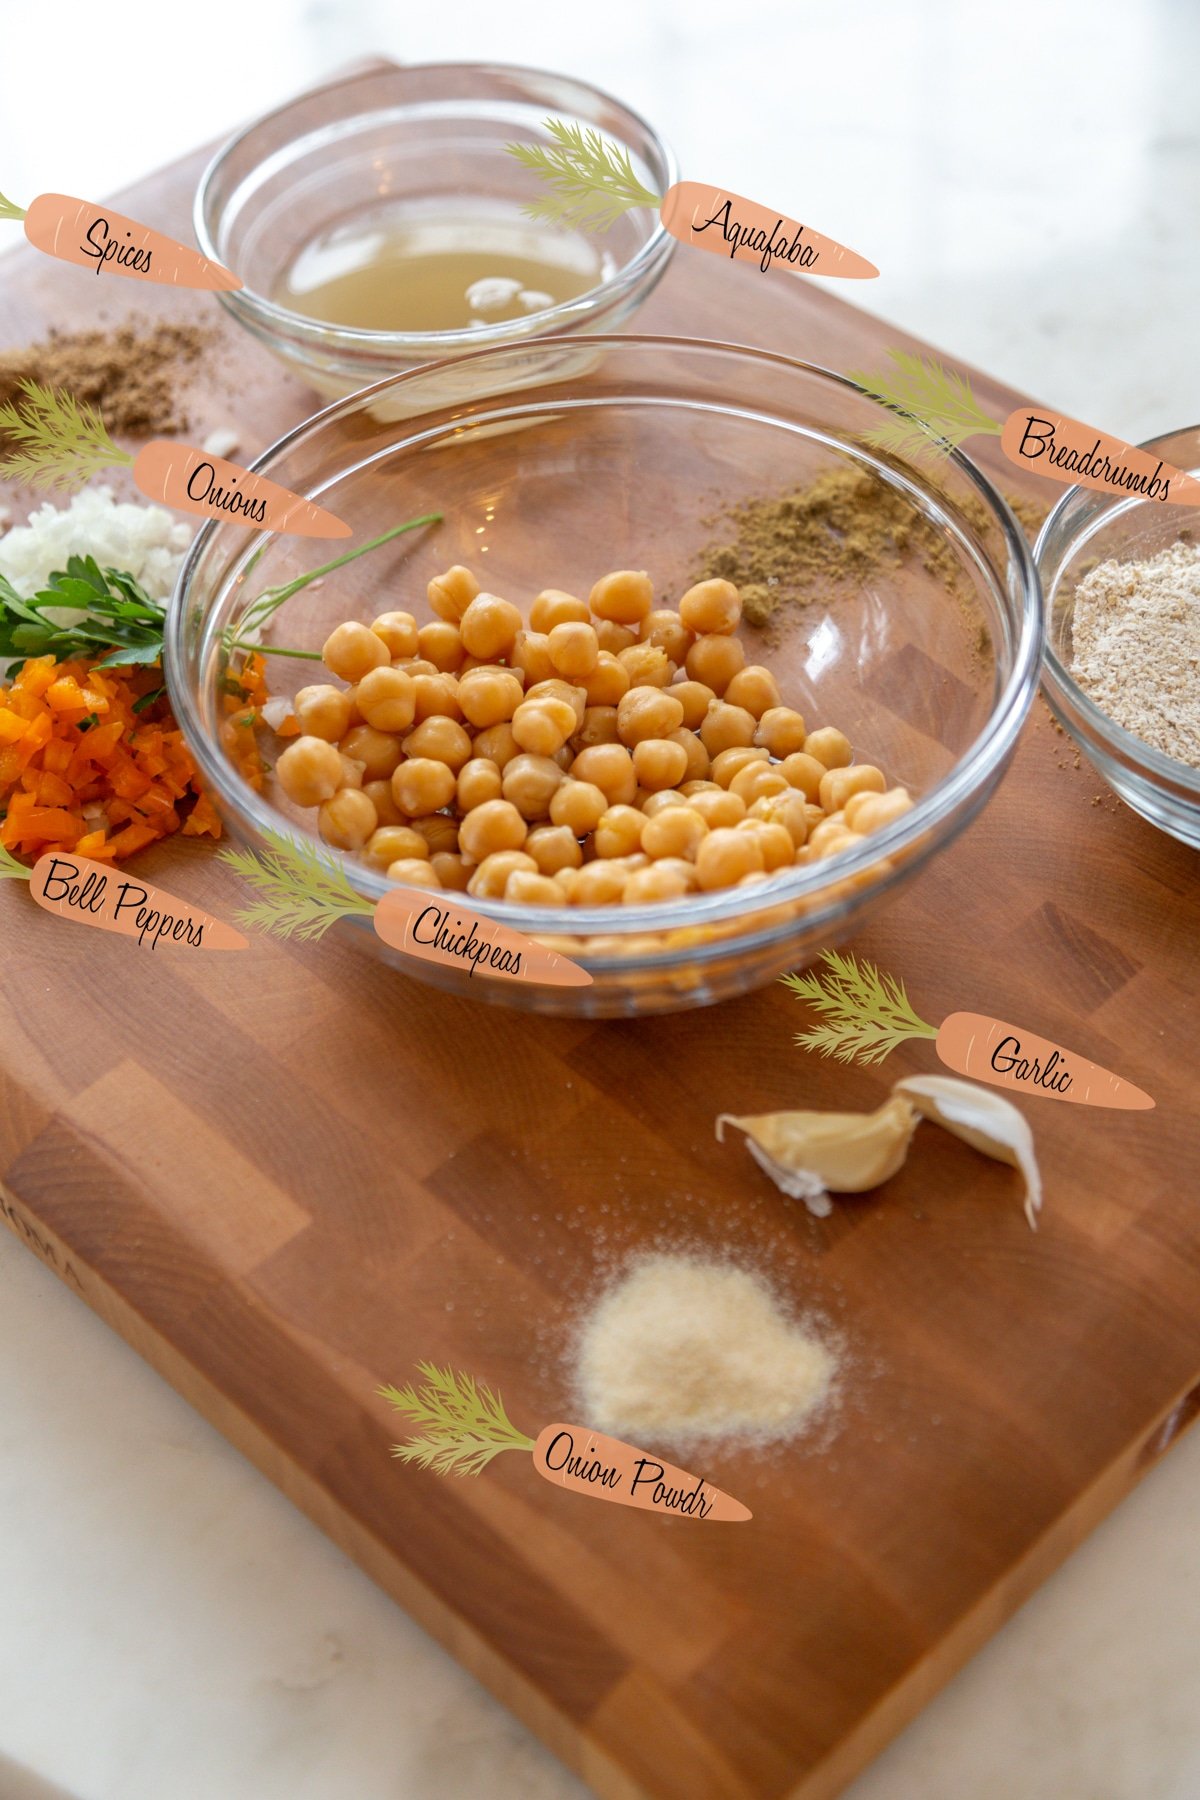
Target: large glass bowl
[405,136]
[618,453]
[1087,528]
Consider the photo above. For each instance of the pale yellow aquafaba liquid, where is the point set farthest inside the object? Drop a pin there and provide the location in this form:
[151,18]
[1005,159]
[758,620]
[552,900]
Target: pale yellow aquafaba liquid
[440,265]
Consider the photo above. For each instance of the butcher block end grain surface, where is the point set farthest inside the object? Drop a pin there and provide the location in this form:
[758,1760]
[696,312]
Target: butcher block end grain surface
[285,1184]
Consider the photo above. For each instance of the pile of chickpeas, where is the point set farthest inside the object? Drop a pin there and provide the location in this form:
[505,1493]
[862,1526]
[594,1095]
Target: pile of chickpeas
[606,752]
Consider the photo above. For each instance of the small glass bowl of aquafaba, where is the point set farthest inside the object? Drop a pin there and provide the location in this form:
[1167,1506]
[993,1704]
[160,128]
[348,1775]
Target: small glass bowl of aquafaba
[927,660]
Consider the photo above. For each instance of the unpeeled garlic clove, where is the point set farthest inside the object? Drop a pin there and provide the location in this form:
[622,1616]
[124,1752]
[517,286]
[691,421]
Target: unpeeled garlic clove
[810,1154]
[984,1120]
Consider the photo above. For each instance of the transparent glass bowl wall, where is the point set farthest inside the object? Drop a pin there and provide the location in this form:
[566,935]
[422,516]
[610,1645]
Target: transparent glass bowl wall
[610,453]
[417,132]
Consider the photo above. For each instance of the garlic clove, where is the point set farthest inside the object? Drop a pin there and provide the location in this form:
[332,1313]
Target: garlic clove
[982,1119]
[809,1154]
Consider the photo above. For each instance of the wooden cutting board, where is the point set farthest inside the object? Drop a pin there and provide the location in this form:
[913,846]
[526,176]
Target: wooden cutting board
[285,1177]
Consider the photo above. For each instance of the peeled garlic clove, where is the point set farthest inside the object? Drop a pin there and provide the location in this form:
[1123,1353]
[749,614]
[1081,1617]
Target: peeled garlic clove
[982,1119]
[808,1153]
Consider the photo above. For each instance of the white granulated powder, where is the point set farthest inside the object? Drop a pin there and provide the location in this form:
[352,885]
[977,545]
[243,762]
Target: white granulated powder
[1136,647]
[682,1349]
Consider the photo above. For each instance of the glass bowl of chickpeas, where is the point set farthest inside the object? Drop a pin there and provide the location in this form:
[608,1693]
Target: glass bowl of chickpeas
[547,703]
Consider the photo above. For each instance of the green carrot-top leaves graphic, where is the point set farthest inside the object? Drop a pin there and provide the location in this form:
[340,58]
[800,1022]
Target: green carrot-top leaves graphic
[591,178]
[463,1423]
[300,892]
[866,1013]
[934,406]
[63,441]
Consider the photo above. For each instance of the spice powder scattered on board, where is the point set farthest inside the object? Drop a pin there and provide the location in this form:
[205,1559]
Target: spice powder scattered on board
[131,374]
[685,1349]
[838,531]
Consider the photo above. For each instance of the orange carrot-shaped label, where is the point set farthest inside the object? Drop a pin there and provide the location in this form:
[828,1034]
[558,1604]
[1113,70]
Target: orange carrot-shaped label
[192,481]
[440,930]
[93,893]
[714,219]
[587,1462]
[106,242]
[1065,450]
[987,1049]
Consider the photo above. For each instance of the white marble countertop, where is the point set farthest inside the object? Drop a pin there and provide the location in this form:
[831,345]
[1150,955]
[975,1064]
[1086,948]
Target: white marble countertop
[1029,184]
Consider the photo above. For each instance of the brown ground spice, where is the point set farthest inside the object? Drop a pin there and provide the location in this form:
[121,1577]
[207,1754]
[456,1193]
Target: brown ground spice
[835,533]
[131,374]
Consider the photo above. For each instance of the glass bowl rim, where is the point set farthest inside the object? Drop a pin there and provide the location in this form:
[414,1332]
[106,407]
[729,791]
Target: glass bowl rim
[429,345]
[1060,684]
[948,797]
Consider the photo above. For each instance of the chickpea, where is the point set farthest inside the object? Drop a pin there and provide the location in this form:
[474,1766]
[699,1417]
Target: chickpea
[442,740]
[450,594]
[613,637]
[352,771]
[650,804]
[867,812]
[830,746]
[531,656]
[377,751]
[600,726]
[552,607]
[788,809]
[780,730]
[715,661]
[725,855]
[698,762]
[627,596]
[490,879]
[719,809]
[711,606]
[497,744]
[351,650]
[451,870]
[414,665]
[544,725]
[837,785]
[529,785]
[398,631]
[802,772]
[533,890]
[814,812]
[478,781]
[496,825]
[647,666]
[756,780]
[553,847]
[728,763]
[441,644]
[347,820]
[608,682]
[695,697]
[412,871]
[775,841]
[421,786]
[565,880]
[619,832]
[579,806]
[386,698]
[390,843]
[657,883]
[600,883]
[379,793]
[756,689]
[323,712]
[727,728]
[574,649]
[489,626]
[659,763]
[439,832]
[647,712]
[435,695]
[668,631]
[557,689]
[676,831]
[829,837]
[610,768]
[489,696]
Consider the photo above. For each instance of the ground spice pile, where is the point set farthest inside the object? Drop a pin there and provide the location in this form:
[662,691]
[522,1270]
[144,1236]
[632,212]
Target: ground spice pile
[131,374]
[683,1349]
[835,533]
[1136,647]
